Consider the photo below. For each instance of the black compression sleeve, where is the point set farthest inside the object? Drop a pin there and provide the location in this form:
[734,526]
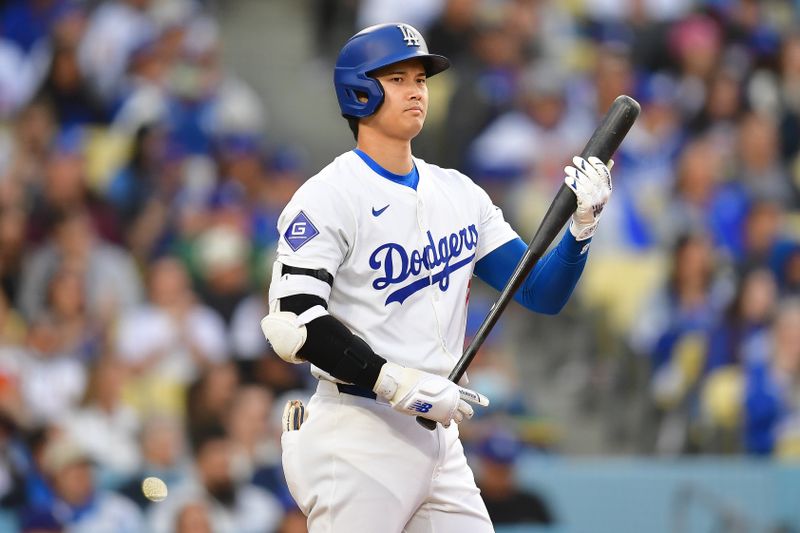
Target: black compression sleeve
[334,348]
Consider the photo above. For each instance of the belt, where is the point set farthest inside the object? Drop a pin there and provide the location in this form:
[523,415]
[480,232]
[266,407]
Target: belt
[355,390]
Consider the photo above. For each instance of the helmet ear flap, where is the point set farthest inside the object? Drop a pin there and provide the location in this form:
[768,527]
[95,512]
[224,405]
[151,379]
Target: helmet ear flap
[358,96]
[364,96]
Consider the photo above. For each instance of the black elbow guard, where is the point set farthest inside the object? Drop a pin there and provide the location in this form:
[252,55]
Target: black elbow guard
[334,348]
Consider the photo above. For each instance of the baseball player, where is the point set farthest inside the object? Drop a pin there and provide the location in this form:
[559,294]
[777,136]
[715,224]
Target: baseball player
[371,286]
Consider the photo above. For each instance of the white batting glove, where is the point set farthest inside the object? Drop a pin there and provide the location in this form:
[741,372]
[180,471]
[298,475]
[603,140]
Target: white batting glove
[590,180]
[417,393]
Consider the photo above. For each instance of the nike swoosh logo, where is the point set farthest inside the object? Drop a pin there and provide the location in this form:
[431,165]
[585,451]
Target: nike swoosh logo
[378,212]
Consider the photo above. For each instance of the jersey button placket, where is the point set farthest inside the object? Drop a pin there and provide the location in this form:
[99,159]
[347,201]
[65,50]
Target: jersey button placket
[435,293]
[421,223]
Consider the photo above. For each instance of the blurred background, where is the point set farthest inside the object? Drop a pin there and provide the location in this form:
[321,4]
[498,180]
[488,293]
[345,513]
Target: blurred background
[148,146]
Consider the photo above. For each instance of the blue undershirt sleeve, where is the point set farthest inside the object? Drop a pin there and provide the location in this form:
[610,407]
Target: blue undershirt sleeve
[548,287]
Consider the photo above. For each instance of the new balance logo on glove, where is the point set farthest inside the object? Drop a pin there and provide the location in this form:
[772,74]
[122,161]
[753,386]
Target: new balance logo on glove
[421,407]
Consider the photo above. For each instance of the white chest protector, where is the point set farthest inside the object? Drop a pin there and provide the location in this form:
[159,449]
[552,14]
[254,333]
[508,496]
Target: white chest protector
[402,259]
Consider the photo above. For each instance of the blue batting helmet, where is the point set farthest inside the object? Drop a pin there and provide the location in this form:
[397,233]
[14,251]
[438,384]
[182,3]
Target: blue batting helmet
[369,50]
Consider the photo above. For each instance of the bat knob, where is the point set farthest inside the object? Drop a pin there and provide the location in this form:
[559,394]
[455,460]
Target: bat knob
[426,423]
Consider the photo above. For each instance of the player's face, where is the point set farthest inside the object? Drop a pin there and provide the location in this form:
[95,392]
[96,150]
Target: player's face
[405,102]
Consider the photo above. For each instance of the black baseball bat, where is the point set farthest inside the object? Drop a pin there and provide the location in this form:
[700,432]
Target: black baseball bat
[602,144]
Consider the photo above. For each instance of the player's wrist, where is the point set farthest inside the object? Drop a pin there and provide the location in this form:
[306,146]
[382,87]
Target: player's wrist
[582,230]
[388,380]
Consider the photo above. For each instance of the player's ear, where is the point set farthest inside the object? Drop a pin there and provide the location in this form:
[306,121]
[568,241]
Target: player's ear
[362,97]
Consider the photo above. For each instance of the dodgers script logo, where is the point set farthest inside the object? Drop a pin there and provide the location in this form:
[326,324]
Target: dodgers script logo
[398,264]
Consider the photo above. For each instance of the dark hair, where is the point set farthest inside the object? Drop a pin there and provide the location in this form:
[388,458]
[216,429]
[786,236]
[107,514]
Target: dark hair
[137,158]
[61,216]
[680,244]
[352,122]
[207,435]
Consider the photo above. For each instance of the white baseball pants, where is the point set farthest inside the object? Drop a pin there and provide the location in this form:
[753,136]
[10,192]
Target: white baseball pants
[356,465]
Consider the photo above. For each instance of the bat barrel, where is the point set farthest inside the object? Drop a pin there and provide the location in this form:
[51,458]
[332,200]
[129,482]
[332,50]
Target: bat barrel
[615,125]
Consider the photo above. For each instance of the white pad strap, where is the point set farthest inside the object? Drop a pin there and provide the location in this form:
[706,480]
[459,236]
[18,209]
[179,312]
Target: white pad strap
[388,380]
[310,314]
[294,284]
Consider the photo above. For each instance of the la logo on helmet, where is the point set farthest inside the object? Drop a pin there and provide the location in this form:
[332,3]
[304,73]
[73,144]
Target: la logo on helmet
[410,35]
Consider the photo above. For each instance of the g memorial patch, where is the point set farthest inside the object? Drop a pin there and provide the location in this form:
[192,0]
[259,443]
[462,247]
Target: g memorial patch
[300,231]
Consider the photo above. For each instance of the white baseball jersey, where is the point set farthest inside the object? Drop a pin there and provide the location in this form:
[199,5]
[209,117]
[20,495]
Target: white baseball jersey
[402,259]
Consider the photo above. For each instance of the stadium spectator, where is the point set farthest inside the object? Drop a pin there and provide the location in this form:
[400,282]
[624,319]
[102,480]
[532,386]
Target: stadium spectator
[17,77]
[723,107]
[104,427]
[12,326]
[52,381]
[12,248]
[487,86]
[256,442]
[788,87]
[193,518]
[231,507]
[134,185]
[65,88]
[771,409]
[111,281]
[145,91]
[114,30]
[163,455]
[505,501]
[209,398]
[32,132]
[696,44]
[747,316]
[28,23]
[787,270]
[65,187]
[222,254]
[247,342]
[67,310]
[702,201]
[765,242]
[758,166]
[251,191]
[451,33]
[246,424]
[169,341]
[78,504]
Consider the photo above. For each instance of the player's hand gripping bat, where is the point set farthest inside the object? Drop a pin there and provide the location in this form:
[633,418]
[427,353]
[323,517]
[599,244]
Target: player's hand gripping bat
[603,143]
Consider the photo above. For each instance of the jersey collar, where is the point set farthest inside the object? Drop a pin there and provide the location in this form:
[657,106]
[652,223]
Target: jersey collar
[409,180]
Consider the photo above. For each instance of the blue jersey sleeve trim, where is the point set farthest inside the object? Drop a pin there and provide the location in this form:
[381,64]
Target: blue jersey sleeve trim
[409,180]
[548,287]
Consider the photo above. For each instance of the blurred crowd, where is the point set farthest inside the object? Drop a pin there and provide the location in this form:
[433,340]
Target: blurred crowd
[140,184]
[138,204]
